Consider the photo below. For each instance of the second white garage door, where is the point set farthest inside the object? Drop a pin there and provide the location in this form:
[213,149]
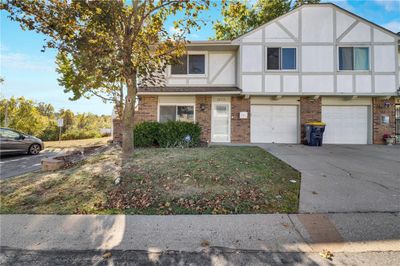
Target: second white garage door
[274,124]
[345,124]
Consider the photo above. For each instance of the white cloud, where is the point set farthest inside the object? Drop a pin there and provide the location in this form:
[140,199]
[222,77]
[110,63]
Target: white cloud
[389,5]
[19,61]
[172,30]
[393,26]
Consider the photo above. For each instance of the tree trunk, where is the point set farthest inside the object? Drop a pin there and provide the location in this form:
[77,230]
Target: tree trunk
[128,116]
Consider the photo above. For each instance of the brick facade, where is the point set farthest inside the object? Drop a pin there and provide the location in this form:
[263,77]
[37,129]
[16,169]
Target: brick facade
[203,116]
[146,111]
[383,107]
[240,128]
[117,130]
[310,110]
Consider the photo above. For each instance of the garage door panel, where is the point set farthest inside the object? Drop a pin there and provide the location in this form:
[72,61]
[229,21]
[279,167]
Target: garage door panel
[274,123]
[345,124]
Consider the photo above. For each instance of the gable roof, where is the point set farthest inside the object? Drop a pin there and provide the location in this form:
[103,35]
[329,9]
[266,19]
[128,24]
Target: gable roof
[315,5]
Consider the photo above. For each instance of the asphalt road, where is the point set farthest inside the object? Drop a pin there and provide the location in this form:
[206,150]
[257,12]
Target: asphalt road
[14,165]
[213,256]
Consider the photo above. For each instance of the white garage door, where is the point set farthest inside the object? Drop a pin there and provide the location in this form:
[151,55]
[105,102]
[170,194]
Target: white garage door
[274,124]
[345,124]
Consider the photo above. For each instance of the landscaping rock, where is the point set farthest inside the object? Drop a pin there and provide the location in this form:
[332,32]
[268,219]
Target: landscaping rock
[52,164]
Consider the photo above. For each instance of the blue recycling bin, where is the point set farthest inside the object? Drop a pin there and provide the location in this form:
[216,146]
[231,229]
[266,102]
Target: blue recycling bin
[314,133]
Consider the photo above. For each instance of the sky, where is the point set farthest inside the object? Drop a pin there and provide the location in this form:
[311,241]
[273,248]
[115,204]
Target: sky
[31,73]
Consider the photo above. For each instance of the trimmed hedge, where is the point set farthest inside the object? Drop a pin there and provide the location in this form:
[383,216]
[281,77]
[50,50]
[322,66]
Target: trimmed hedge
[166,135]
[146,134]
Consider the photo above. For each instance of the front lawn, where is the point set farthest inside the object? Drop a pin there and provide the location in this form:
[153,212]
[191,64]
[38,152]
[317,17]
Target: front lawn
[216,180]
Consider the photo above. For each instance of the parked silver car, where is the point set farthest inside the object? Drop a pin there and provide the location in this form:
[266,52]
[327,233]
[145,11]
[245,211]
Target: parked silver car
[12,141]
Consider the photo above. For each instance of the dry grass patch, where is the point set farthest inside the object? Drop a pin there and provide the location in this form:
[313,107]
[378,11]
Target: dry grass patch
[78,143]
[216,180]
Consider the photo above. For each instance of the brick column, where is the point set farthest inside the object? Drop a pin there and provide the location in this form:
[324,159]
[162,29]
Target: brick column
[310,110]
[203,116]
[147,109]
[383,107]
[240,128]
[117,130]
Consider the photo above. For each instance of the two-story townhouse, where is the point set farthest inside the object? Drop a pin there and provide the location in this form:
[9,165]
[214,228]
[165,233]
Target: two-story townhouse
[316,63]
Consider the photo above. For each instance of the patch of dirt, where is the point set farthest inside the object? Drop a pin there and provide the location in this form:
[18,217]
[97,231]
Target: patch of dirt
[76,156]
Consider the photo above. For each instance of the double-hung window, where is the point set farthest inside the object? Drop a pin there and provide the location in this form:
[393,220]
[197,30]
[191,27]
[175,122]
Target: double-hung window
[281,58]
[193,64]
[353,58]
[176,113]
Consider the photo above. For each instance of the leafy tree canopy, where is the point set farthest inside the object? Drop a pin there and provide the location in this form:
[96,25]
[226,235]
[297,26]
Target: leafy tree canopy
[103,44]
[240,17]
[40,119]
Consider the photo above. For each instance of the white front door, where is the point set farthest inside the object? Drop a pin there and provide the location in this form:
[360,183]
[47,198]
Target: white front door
[345,124]
[274,124]
[220,127]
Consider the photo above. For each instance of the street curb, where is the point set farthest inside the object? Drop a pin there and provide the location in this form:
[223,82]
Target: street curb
[355,232]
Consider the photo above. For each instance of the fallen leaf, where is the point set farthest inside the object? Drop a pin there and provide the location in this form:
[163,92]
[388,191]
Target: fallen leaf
[205,243]
[326,254]
[107,255]
[285,225]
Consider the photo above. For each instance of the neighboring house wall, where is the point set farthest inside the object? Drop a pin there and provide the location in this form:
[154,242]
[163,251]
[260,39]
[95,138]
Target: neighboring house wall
[317,32]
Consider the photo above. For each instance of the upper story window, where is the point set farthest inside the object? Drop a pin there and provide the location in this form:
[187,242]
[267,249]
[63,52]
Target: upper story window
[353,58]
[190,64]
[281,58]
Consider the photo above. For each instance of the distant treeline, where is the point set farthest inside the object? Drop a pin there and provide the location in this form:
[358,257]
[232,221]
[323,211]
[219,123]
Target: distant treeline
[40,120]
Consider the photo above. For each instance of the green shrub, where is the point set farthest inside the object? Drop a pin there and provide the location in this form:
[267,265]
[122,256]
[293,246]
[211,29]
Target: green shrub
[51,132]
[146,134]
[173,134]
[169,134]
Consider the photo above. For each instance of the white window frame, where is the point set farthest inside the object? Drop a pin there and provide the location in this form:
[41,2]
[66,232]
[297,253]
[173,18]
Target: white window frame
[205,53]
[280,59]
[176,109]
[354,46]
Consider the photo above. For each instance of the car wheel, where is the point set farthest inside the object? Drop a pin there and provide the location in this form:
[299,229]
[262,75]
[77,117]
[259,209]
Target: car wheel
[34,149]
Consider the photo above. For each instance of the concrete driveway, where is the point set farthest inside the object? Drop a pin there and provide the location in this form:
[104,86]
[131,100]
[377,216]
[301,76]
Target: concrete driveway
[344,178]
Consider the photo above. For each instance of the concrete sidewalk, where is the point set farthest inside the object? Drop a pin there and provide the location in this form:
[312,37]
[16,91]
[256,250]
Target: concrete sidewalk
[350,232]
